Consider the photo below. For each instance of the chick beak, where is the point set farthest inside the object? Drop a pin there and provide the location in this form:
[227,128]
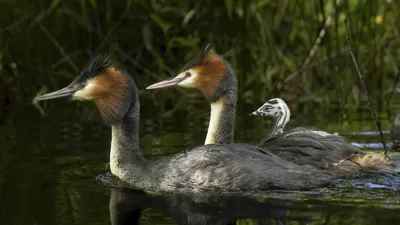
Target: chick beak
[256,113]
[166,83]
[253,113]
[65,92]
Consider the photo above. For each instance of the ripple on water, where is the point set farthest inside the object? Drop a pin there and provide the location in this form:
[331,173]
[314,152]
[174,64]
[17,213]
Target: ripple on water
[371,145]
[370,132]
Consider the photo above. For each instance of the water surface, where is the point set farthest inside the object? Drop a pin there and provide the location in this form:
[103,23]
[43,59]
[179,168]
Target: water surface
[49,165]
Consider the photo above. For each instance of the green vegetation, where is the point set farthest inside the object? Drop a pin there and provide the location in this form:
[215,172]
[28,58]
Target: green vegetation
[268,43]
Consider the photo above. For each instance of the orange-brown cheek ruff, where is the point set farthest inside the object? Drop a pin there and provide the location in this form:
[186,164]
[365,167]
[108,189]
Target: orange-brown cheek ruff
[108,91]
[210,72]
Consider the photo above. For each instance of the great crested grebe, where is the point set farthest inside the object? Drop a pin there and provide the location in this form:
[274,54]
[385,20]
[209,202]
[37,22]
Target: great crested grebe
[226,168]
[214,77]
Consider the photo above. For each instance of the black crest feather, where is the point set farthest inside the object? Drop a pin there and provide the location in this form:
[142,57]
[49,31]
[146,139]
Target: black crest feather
[98,65]
[199,57]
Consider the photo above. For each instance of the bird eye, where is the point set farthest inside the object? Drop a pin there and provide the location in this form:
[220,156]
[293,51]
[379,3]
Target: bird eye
[188,74]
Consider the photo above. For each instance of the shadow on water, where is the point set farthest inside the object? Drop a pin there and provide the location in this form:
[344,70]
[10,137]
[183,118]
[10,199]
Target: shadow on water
[48,166]
[133,207]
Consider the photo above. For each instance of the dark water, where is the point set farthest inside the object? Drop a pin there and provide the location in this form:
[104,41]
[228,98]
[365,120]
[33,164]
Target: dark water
[50,165]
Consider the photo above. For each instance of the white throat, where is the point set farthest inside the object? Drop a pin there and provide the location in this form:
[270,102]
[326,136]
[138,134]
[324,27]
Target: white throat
[216,112]
[115,166]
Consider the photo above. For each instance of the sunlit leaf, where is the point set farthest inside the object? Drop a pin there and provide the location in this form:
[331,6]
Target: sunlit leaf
[188,16]
[42,91]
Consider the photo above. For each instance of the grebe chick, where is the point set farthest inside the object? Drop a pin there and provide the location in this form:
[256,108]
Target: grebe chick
[214,77]
[226,168]
[277,108]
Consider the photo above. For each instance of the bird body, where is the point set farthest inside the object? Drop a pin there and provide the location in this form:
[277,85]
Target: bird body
[214,77]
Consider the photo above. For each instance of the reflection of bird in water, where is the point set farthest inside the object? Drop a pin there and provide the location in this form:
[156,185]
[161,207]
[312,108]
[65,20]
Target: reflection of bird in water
[228,168]
[127,207]
[395,133]
[214,77]
[277,208]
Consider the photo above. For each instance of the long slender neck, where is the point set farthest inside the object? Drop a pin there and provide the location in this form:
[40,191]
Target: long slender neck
[126,160]
[222,120]
[281,121]
[277,129]
[279,125]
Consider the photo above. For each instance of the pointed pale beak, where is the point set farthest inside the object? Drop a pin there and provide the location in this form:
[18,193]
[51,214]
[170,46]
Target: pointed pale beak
[166,83]
[255,113]
[65,92]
